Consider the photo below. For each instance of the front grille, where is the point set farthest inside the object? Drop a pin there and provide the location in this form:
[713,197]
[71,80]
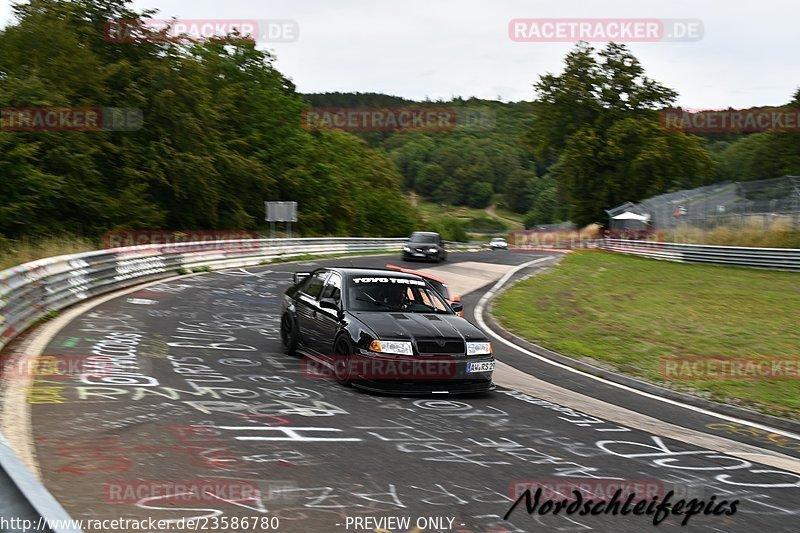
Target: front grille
[455,347]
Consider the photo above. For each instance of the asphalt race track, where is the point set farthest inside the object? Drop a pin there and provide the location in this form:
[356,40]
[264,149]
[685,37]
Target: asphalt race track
[216,400]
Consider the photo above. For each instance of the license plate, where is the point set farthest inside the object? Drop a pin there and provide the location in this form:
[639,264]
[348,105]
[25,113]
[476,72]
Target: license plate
[418,255]
[484,366]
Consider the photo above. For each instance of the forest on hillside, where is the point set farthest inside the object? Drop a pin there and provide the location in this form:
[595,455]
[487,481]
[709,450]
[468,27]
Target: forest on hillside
[221,134]
[592,139]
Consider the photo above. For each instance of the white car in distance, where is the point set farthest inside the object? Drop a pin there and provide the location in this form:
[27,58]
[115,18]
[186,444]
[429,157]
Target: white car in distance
[498,243]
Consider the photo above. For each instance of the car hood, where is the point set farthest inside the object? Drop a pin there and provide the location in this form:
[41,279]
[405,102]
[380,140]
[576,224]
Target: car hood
[398,326]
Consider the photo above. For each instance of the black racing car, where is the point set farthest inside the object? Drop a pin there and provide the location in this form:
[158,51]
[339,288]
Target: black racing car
[383,330]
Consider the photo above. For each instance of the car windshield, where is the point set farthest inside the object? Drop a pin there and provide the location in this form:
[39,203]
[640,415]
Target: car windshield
[440,287]
[404,295]
[424,238]
[498,240]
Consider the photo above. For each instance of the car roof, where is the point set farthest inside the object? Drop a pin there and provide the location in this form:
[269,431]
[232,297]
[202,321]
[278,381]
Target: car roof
[354,271]
[424,233]
[396,268]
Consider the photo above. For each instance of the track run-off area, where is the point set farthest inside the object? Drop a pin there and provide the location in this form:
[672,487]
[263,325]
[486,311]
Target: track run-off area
[211,401]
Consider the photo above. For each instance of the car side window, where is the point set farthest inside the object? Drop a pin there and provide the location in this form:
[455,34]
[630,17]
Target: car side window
[313,286]
[333,288]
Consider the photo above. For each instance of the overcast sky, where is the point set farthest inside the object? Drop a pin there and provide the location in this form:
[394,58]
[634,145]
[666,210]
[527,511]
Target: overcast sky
[441,48]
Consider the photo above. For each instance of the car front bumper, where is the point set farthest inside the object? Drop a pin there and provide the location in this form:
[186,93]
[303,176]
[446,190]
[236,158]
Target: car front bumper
[420,256]
[442,374]
[427,388]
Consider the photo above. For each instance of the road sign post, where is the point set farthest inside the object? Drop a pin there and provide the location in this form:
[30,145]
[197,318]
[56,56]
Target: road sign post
[281,212]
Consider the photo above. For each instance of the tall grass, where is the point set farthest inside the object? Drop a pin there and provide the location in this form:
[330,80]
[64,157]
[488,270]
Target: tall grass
[775,234]
[16,252]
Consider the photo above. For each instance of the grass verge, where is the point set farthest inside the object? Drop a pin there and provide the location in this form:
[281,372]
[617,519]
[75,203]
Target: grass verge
[13,253]
[434,215]
[627,313]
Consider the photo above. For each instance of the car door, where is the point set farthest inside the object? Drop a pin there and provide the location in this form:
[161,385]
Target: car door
[308,306]
[327,320]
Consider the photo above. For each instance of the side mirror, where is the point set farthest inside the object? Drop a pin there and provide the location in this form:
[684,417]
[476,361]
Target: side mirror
[329,303]
[458,307]
[300,276]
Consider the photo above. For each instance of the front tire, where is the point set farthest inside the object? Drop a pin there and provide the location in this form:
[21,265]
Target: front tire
[341,363]
[290,337]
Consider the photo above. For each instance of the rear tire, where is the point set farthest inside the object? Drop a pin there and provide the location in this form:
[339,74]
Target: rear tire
[289,335]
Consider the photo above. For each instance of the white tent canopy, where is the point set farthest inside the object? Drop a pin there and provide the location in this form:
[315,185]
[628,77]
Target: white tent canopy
[627,215]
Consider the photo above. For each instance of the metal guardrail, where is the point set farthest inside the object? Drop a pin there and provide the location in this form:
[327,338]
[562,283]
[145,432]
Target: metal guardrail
[767,258]
[26,501]
[29,292]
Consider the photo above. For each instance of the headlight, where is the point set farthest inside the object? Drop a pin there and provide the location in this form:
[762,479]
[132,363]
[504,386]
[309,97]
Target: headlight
[394,347]
[479,348]
[406,249]
[432,250]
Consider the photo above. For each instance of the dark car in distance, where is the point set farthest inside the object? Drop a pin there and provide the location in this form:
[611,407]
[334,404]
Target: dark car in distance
[385,331]
[424,246]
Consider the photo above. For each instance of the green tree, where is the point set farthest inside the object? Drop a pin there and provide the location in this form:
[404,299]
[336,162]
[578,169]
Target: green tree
[447,192]
[480,194]
[544,210]
[429,178]
[762,155]
[597,122]
[520,190]
[221,134]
